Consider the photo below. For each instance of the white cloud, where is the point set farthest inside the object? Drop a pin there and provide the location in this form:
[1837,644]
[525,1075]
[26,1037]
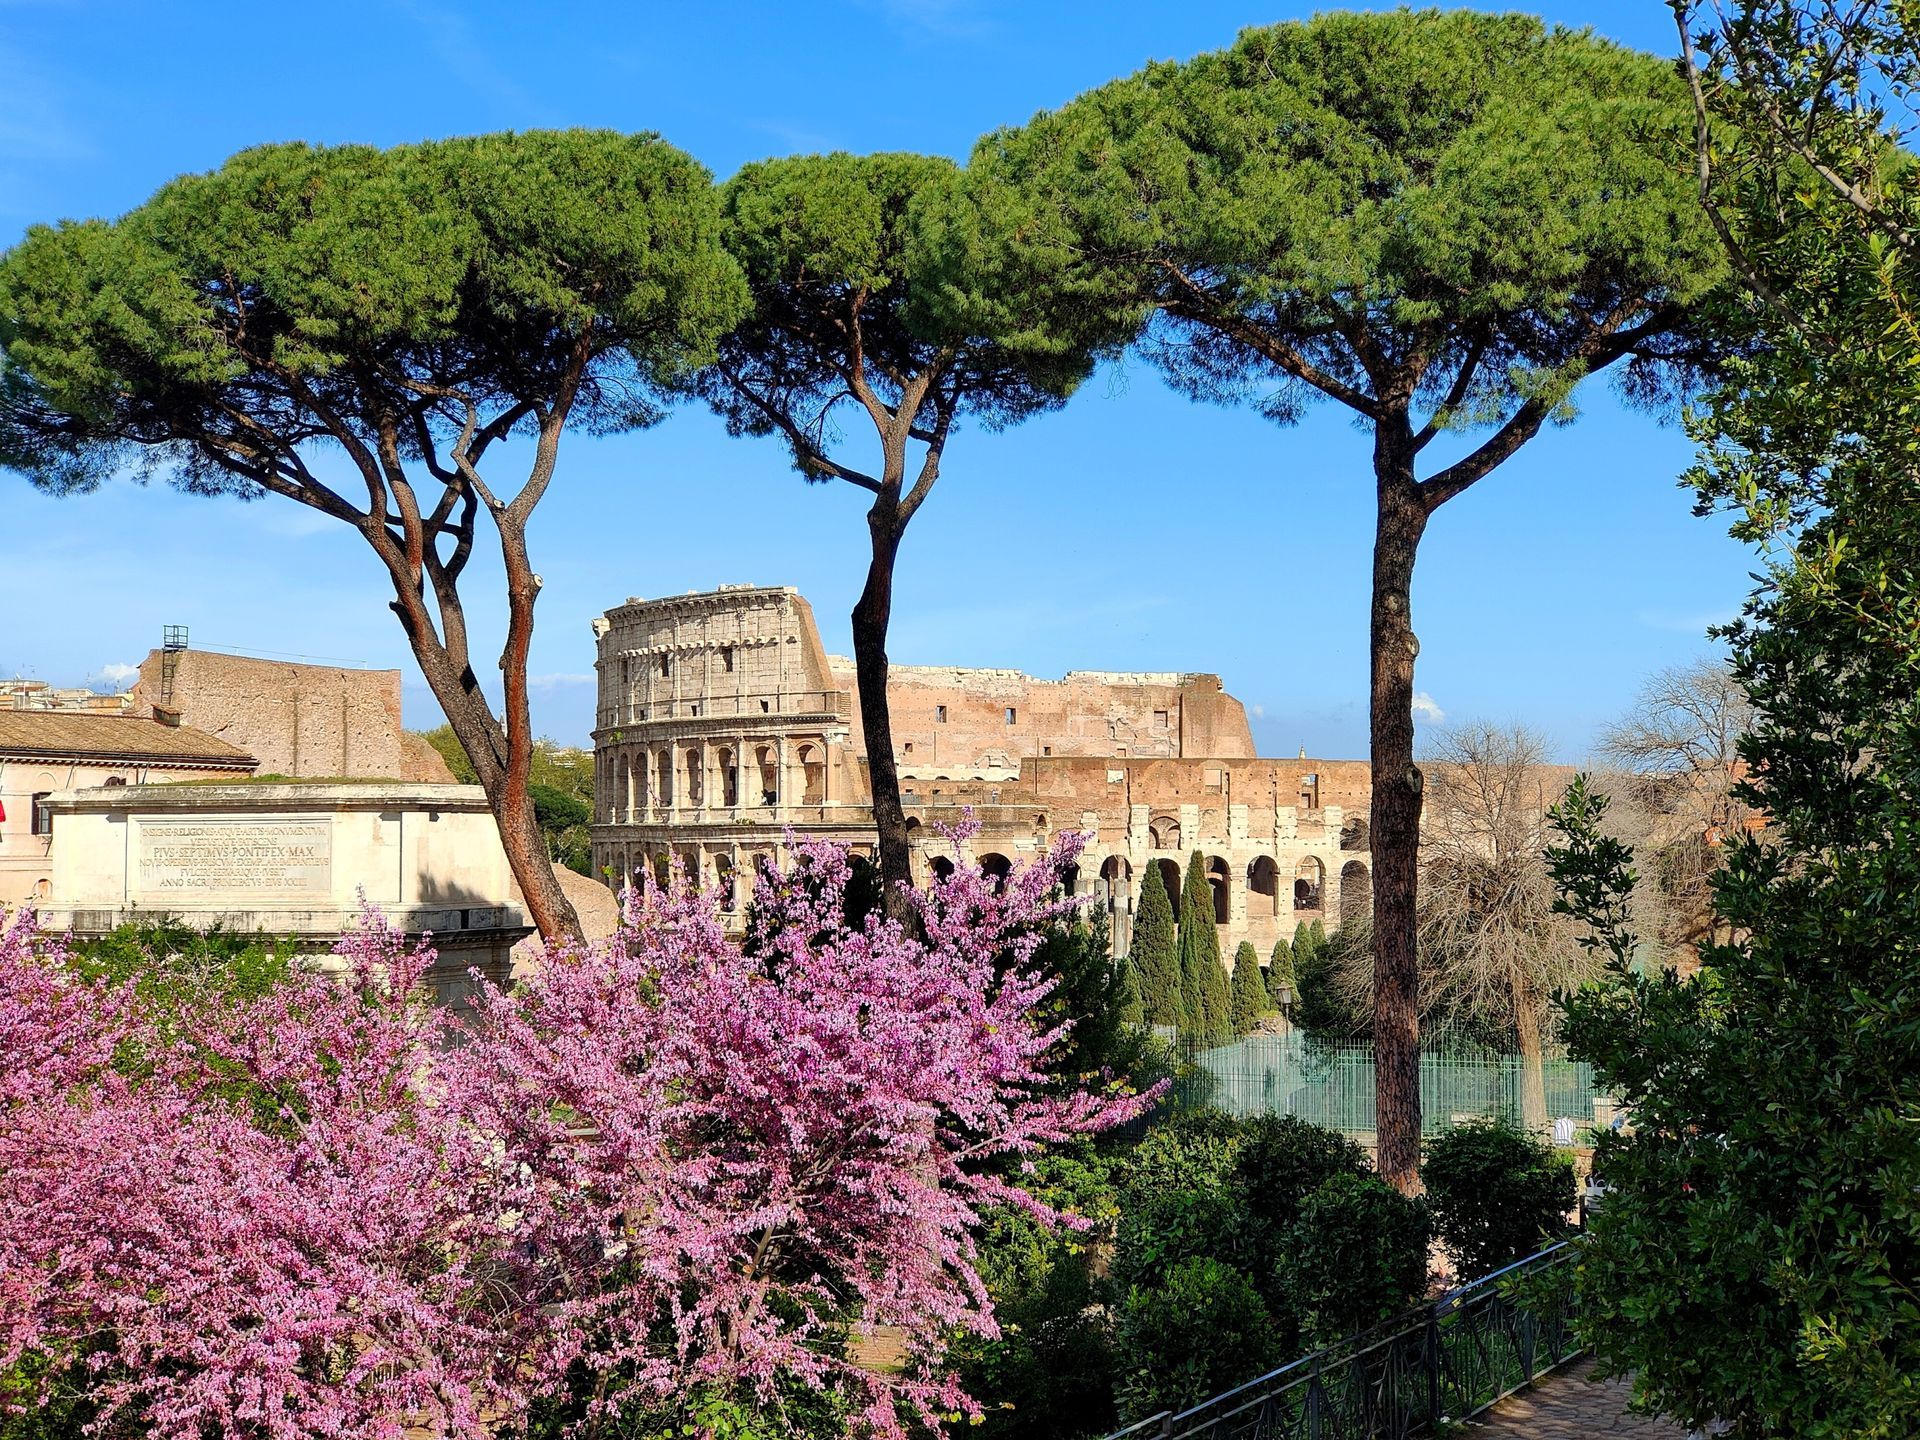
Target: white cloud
[1259,712]
[117,674]
[1426,708]
[555,682]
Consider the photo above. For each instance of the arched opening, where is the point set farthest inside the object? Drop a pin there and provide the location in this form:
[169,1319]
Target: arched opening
[1163,832]
[1116,882]
[696,789]
[729,778]
[813,770]
[1353,835]
[1308,881]
[1356,892]
[1263,886]
[769,775]
[623,795]
[942,868]
[723,872]
[996,867]
[1217,873]
[665,770]
[1070,879]
[1170,877]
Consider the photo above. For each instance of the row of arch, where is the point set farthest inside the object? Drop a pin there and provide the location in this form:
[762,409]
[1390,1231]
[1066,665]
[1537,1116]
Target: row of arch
[663,780]
[1264,895]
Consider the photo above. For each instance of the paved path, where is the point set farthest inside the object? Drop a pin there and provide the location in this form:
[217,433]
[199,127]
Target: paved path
[1569,1406]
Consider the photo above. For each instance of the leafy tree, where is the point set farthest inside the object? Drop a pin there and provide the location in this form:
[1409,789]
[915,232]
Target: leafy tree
[1203,975]
[1443,221]
[1280,971]
[411,311]
[1204,1329]
[1249,991]
[1356,1256]
[1754,1259]
[888,287]
[1319,1006]
[1093,994]
[1156,956]
[563,821]
[1498,1194]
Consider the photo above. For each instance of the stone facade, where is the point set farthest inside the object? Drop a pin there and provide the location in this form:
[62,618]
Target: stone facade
[723,723]
[305,721]
[292,860]
[47,750]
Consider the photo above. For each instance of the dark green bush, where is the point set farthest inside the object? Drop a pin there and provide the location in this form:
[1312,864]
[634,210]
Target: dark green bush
[1204,1329]
[1356,1256]
[1282,1159]
[1497,1194]
[1178,1198]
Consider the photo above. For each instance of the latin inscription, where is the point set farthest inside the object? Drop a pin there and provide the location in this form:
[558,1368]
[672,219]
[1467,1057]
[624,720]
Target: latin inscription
[251,856]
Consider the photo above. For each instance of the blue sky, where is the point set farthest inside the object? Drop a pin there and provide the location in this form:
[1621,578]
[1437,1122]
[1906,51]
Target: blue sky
[1133,530]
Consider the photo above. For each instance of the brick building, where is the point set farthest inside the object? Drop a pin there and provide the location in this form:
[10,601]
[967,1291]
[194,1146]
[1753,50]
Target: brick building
[722,722]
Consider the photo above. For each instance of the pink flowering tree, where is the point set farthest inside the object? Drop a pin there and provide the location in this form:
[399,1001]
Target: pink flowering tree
[665,1167]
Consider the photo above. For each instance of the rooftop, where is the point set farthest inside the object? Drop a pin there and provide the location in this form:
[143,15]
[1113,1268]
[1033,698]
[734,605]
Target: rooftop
[58,735]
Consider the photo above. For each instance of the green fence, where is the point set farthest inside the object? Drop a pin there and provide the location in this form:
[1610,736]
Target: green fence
[1333,1084]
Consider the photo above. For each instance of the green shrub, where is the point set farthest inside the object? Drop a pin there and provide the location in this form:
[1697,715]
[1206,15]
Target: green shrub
[1178,1199]
[1497,1194]
[1282,1159]
[1204,1329]
[1356,1256]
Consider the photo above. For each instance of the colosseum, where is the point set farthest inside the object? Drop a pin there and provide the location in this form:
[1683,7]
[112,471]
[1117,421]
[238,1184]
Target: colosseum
[723,724]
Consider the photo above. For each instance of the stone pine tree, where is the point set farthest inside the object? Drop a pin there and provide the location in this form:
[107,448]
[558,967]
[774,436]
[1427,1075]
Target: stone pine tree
[1155,955]
[1441,220]
[1249,989]
[1203,975]
[437,317]
[892,297]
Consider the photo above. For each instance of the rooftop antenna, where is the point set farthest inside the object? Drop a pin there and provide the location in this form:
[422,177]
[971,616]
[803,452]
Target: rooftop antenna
[173,639]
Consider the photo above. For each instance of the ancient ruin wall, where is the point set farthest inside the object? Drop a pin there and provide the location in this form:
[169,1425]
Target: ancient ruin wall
[308,721]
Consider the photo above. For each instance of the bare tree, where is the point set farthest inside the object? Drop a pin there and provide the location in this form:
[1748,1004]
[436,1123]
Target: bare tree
[1491,947]
[1675,760]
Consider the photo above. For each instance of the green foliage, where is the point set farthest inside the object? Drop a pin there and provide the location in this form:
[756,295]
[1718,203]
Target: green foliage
[1052,1370]
[177,970]
[1283,1159]
[1203,975]
[1356,1256]
[1178,1198]
[1249,990]
[298,282]
[897,266]
[1093,991]
[1202,1330]
[1280,970]
[1155,954]
[563,820]
[1318,1007]
[1497,1194]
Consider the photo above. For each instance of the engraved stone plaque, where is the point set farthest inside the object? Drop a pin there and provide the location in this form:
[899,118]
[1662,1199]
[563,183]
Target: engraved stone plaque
[239,856]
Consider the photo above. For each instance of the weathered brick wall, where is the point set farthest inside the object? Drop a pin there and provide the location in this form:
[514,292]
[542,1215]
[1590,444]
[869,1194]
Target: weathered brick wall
[310,721]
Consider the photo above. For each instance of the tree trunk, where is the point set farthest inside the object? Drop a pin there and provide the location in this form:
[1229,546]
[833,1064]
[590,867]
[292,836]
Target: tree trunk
[1533,1067]
[502,758]
[871,616]
[1395,818]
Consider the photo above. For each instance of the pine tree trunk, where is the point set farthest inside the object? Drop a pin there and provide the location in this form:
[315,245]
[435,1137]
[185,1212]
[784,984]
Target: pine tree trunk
[502,756]
[1395,815]
[871,616]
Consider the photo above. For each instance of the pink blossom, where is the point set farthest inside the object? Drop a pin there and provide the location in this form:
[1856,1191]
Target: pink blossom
[669,1159]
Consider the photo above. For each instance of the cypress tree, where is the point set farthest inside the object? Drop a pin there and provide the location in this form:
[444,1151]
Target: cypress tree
[1280,970]
[1155,959]
[1203,975]
[1249,990]
[1131,1012]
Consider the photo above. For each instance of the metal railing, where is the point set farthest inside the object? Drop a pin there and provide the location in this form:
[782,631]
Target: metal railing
[1449,1359]
[1335,1084]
